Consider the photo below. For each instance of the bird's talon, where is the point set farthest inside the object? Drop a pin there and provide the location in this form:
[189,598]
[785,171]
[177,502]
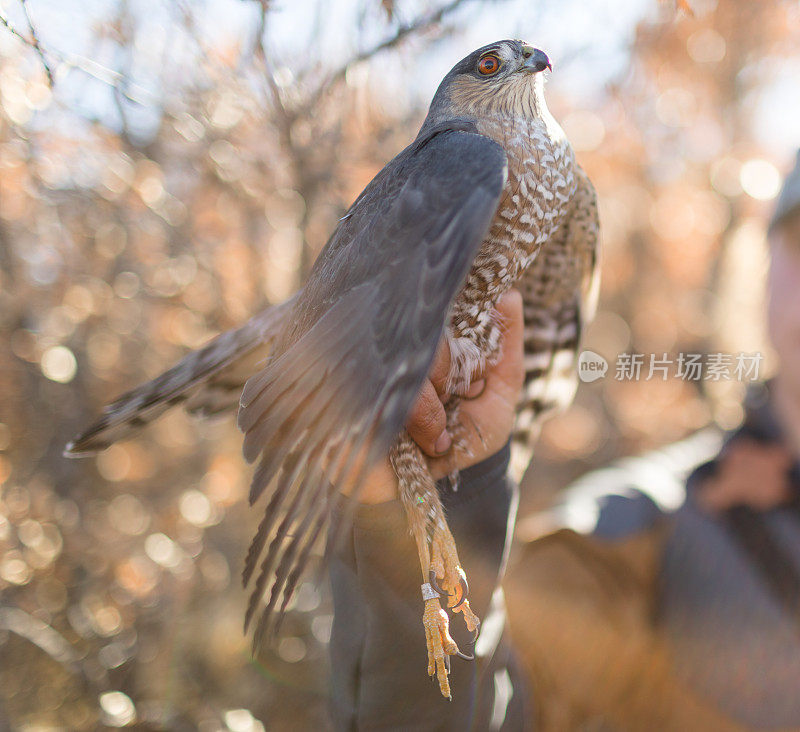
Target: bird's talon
[475,634]
[435,584]
[464,592]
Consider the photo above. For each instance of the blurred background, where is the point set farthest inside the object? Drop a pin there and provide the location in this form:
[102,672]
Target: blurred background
[166,168]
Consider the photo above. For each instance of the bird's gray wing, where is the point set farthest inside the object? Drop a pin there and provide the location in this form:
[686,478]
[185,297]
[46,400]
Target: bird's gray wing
[362,337]
[206,381]
[559,294]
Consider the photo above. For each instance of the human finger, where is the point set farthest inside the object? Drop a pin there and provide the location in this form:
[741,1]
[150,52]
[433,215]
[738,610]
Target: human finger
[440,368]
[427,422]
[440,372]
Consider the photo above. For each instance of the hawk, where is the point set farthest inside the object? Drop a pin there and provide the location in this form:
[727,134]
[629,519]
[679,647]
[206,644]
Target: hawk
[488,196]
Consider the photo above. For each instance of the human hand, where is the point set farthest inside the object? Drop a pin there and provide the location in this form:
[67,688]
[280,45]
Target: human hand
[486,414]
[749,474]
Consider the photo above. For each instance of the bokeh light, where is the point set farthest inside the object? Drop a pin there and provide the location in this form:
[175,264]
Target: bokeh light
[118,708]
[760,179]
[59,364]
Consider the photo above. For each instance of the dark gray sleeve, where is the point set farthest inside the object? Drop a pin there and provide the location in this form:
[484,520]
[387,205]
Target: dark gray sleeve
[634,494]
[378,656]
[620,516]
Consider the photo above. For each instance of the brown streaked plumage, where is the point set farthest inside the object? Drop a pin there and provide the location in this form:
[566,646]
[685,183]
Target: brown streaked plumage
[488,196]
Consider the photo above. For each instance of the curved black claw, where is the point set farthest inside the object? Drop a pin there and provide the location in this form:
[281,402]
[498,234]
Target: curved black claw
[472,643]
[433,582]
[464,592]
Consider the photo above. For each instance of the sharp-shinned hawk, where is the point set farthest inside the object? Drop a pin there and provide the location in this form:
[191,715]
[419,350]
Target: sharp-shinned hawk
[488,196]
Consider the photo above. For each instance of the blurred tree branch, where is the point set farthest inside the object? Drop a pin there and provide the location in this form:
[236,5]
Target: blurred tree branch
[420,24]
[89,67]
[32,41]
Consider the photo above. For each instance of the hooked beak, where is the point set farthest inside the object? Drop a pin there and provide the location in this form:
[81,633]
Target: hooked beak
[535,60]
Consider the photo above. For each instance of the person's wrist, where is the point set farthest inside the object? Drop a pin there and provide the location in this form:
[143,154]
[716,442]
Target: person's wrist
[379,486]
[381,492]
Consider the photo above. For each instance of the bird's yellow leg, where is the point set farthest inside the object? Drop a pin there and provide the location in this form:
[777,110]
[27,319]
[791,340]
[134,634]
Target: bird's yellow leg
[444,555]
[447,568]
[439,643]
[437,557]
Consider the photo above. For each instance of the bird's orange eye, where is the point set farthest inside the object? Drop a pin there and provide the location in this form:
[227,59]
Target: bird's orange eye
[489,65]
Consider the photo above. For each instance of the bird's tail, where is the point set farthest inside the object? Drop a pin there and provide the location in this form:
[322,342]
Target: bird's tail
[552,336]
[207,381]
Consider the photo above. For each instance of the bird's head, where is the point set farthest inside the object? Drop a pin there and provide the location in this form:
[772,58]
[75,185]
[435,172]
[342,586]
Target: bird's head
[503,78]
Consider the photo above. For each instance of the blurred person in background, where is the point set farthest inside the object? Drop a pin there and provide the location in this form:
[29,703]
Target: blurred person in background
[689,620]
